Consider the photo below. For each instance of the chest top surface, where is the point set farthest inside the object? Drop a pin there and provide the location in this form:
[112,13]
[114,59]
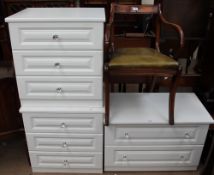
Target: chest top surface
[58,15]
[152,108]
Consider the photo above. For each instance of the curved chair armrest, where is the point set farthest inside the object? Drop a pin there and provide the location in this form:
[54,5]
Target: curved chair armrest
[108,43]
[175,26]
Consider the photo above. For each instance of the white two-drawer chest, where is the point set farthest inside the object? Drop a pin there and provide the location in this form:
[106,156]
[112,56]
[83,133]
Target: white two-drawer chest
[139,137]
[58,59]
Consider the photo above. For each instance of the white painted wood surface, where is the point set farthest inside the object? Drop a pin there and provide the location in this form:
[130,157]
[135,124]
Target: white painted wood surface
[58,15]
[58,63]
[58,59]
[73,103]
[63,110]
[140,158]
[57,87]
[64,142]
[66,160]
[137,135]
[152,108]
[56,36]
[63,123]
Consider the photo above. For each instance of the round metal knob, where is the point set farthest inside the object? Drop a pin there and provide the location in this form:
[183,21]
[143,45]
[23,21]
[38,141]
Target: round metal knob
[65,145]
[59,90]
[55,37]
[126,135]
[124,157]
[65,162]
[182,157]
[187,135]
[63,125]
[57,65]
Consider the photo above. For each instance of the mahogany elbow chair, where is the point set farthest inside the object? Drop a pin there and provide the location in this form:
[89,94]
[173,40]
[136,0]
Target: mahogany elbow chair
[131,64]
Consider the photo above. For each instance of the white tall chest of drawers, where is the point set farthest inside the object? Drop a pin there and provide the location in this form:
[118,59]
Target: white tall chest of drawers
[58,59]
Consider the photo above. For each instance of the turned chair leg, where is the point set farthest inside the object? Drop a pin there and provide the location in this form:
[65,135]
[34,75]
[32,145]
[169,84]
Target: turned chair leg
[172,96]
[172,101]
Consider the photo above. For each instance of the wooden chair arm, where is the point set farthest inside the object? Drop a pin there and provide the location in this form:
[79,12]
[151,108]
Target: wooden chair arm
[175,26]
[108,44]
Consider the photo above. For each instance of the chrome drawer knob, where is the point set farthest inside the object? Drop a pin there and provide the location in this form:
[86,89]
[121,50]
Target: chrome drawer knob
[65,145]
[55,37]
[126,135]
[187,135]
[124,157]
[63,125]
[65,162]
[59,90]
[182,157]
[57,65]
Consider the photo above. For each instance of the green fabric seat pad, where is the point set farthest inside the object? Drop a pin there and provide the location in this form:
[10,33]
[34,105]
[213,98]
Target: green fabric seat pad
[141,57]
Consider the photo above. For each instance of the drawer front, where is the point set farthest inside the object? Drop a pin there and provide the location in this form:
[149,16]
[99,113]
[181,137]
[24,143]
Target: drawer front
[64,142]
[58,62]
[66,160]
[60,36]
[161,135]
[59,88]
[140,158]
[63,123]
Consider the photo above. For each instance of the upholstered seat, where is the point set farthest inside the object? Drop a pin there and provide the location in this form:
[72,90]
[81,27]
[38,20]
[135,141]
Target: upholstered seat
[141,57]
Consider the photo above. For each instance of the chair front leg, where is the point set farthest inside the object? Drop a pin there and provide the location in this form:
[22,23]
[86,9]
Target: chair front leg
[172,94]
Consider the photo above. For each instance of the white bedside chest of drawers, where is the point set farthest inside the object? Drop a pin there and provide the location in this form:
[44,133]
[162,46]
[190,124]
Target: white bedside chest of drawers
[140,139]
[58,59]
